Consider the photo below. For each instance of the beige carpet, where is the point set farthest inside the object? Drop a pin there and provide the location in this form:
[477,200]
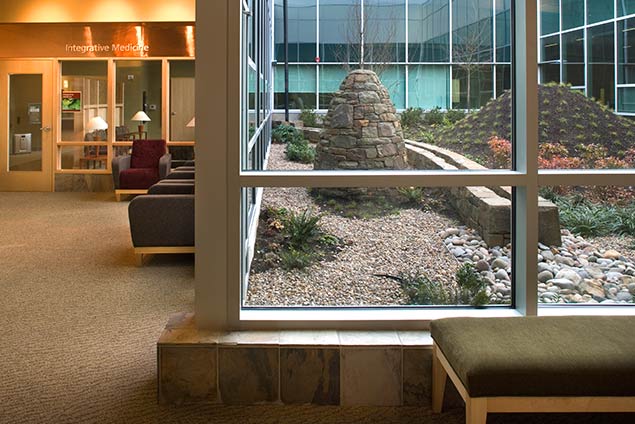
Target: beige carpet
[79,323]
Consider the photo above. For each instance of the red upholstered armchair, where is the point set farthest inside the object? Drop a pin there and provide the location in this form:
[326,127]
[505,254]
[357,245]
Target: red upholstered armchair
[135,173]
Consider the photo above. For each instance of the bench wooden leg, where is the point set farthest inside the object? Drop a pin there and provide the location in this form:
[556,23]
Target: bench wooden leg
[439,378]
[476,411]
[139,259]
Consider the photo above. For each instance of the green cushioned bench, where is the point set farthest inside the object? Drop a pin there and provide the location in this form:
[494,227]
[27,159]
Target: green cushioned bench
[536,364]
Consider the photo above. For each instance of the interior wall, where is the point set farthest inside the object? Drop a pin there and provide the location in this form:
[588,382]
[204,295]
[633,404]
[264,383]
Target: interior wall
[25,11]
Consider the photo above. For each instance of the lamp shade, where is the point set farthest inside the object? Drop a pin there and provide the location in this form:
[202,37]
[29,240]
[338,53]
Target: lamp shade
[96,123]
[192,123]
[141,117]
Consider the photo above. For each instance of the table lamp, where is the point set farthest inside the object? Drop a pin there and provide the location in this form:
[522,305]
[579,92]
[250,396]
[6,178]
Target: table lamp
[94,125]
[141,117]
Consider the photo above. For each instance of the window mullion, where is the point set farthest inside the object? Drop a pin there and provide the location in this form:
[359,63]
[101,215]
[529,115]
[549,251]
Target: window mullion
[525,151]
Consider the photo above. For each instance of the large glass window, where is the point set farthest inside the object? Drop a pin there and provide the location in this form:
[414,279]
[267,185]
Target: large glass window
[331,76]
[626,51]
[394,79]
[625,7]
[84,96]
[550,48]
[598,11]
[340,23]
[429,86]
[301,30]
[549,16]
[384,31]
[503,31]
[139,88]
[472,87]
[84,114]
[572,14]
[600,66]
[573,58]
[302,87]
[472,31]
[428,31]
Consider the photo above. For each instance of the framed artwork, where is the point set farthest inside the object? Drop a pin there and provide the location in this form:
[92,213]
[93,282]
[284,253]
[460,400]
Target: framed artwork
[71,101]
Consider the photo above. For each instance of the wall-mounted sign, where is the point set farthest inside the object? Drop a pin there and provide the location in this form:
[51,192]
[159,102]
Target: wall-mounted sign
[71,101]
[35,113]
[152,39]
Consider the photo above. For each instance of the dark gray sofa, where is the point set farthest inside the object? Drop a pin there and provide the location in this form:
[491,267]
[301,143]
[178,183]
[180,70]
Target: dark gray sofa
[162,221]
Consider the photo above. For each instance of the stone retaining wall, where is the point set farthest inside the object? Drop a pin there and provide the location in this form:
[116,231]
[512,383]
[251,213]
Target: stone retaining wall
[488,210]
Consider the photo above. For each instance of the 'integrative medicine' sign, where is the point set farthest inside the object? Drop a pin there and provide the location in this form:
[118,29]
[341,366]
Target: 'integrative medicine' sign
[154,39]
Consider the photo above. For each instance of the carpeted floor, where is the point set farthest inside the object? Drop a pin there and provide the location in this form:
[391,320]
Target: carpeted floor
[79,324]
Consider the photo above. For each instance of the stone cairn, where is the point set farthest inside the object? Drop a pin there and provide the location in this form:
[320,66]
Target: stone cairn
[361,128]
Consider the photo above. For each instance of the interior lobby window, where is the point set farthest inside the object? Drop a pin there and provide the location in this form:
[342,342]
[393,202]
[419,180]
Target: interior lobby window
[182,121]
[384,32]
[573,58]
[139,89]
[84,116]
[572,14]
[338,39]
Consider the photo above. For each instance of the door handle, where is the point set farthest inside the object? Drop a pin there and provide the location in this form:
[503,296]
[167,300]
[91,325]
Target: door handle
[45,129]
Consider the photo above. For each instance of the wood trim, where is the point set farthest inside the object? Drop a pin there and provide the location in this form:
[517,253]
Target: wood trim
[120,192]
[562,404]
[436,352]
[163,249]
[141,252]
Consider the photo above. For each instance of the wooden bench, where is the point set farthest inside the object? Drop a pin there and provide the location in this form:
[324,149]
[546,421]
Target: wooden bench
[535,364]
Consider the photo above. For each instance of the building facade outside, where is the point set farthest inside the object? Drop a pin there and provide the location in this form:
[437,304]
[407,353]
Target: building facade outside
[423,50]
[588,45]
[426,50]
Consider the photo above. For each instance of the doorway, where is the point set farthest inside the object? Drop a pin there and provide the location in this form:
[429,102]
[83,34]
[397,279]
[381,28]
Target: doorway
[26,130]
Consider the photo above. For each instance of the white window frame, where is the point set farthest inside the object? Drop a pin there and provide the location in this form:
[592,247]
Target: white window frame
[219,179]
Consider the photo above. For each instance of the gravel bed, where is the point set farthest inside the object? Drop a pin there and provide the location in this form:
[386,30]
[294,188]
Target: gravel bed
[406,242]
[595,270]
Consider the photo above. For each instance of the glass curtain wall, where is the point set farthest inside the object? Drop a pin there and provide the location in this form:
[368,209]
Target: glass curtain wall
[428,53]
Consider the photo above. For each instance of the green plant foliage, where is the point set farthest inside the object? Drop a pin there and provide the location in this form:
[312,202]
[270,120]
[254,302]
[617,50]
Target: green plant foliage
[295,259]
[471,287]
[301,230]
[454,115]
[413,195]
[411,117]
[309,118]
[421,290]
[285,134]
[589,219]
[435,117]
[299,150]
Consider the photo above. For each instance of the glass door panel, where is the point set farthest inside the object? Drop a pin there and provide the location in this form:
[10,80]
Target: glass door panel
[25,121]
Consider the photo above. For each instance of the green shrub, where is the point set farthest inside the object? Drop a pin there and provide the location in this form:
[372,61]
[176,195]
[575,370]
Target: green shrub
[295,259]
[413,195]
[471,287]
[411,117]
[300,151]
[285,134]
[309,118]
[435,117]
[301,230]
[420,290]
[454,115]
